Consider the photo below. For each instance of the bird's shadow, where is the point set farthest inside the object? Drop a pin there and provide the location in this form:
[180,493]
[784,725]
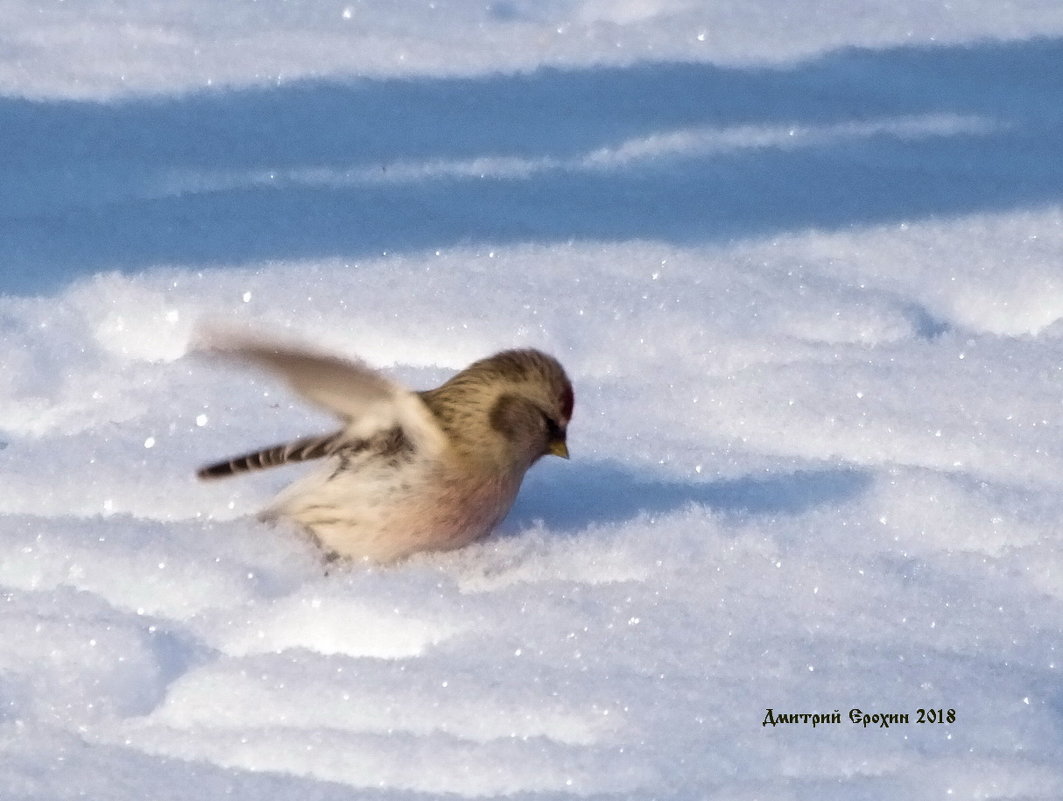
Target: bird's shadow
[571,497]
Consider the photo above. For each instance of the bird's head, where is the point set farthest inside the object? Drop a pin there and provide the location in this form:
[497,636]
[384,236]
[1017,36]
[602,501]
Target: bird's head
[527,399]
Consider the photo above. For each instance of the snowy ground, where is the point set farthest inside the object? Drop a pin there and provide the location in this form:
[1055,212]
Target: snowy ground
[806,269]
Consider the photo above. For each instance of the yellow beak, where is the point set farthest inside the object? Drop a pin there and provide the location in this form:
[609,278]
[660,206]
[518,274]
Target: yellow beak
[559,448]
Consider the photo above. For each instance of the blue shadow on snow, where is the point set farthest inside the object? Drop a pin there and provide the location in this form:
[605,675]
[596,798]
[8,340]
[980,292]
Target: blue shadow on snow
[90,186]
[569,499]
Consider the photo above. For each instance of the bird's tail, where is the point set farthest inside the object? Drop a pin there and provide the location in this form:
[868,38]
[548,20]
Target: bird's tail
[299,450]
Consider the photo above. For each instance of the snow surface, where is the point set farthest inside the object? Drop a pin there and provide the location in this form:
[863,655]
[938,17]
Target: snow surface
[803,263]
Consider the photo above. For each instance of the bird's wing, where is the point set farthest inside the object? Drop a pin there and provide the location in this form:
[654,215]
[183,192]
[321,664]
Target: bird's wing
[365,400]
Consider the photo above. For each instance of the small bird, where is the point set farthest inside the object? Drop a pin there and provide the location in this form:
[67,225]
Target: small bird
[408,471]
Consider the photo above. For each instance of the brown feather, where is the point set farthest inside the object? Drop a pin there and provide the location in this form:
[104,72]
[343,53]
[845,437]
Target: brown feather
[299,450]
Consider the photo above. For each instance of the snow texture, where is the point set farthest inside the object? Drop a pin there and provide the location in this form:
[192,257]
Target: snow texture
[804,262]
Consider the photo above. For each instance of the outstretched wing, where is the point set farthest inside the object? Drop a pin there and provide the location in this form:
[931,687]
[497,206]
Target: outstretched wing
[367,402]
[348,389]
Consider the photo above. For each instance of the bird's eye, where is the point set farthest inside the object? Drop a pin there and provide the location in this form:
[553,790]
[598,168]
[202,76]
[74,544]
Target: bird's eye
[553,430]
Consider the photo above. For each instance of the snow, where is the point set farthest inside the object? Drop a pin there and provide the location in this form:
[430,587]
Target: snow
[803,265]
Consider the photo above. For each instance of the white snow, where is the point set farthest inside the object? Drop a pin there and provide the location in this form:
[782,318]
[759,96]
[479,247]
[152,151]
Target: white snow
[803,262]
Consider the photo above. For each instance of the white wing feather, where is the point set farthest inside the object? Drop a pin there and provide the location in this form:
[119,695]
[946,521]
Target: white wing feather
[365,400]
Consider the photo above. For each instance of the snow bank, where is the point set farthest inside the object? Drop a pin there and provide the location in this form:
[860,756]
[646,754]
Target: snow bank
[804,480]
[156,46]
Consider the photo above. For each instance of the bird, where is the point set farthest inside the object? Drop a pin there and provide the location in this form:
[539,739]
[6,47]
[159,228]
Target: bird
[406,471]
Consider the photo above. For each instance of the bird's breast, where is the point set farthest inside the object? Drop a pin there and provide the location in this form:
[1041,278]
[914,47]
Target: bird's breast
[387,514]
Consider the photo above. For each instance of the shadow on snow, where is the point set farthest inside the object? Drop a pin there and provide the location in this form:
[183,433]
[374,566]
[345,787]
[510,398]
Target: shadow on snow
[90,186]
[603,493]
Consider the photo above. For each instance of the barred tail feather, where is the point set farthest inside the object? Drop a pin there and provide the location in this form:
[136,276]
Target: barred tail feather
[299,450]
